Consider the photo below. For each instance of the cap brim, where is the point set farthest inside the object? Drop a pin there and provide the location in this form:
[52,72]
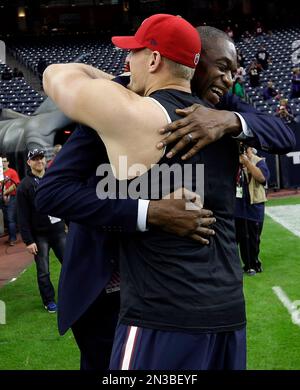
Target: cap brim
[36,155]
[126,42]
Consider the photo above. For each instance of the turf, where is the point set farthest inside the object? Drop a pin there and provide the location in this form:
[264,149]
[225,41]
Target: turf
[30,340]
[283,201]
[273,340]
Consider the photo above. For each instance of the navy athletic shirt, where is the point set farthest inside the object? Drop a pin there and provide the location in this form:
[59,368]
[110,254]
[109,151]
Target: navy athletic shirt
[176,283]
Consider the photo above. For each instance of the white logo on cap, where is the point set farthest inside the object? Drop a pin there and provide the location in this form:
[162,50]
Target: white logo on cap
[197,58]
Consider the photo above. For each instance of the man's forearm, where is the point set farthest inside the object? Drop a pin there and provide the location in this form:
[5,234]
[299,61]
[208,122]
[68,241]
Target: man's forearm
[9,190]
[55,74]
[93,72]
[255,172]
[88,70]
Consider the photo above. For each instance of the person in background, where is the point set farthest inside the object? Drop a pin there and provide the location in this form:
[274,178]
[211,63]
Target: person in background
[263,57]
[17,73]
[56,149]
[259,31]
[240,72]
[39,232]
[252,178]
[8,191]
[284,111]
[229,32]
[238,88]
[270,91]
[6,74]
[295,90]
[241,58]
[254,74]
[247,36]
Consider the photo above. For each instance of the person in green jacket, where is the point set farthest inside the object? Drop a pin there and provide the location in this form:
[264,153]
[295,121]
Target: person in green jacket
[238,88]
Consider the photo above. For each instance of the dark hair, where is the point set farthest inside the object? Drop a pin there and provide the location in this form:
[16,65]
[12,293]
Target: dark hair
[209,34]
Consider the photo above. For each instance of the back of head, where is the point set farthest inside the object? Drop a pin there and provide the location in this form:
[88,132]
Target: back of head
[179,71]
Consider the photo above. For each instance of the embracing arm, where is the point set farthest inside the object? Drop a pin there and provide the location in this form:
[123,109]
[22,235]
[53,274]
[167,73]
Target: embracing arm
[115,112]
[66,192]
[204,125]
[87,95]
[68,189]
[84,97]
[207,125]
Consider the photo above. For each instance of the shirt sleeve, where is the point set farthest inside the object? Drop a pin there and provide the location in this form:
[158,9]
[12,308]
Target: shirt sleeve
[246,131]
[142,215]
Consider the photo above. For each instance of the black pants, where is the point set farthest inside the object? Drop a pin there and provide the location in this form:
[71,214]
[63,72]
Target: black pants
[248,237]
[44,243]
[94,331]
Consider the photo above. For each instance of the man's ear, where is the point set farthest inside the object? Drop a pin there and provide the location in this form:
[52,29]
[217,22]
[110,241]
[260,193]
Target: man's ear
[28,163]
[155,61]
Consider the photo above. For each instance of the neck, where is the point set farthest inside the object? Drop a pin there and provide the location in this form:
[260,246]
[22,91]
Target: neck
[178,84]
[39,174]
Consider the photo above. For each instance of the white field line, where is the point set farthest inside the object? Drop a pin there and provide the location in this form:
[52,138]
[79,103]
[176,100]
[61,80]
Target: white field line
[14,279]
[287,216]
[292,307]
[2,304]
[2,313]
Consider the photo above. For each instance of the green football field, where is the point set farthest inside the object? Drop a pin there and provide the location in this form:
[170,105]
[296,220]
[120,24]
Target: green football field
[30,340]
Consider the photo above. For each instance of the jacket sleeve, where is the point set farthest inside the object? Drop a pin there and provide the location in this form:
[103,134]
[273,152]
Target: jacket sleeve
[68,189]
[24,215]
[270,133]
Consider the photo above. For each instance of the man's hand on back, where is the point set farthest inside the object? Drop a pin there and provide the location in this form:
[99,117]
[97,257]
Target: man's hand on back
[183,217]
[200,126]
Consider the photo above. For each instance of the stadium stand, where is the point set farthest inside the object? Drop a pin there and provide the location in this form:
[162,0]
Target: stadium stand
[17,95]
[102,55]
[280,46]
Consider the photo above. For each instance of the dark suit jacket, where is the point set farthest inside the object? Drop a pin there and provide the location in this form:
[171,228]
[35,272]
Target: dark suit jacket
[89,253]
[65,192]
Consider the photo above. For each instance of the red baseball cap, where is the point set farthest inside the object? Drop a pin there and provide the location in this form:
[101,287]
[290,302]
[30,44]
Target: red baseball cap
[172,36]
